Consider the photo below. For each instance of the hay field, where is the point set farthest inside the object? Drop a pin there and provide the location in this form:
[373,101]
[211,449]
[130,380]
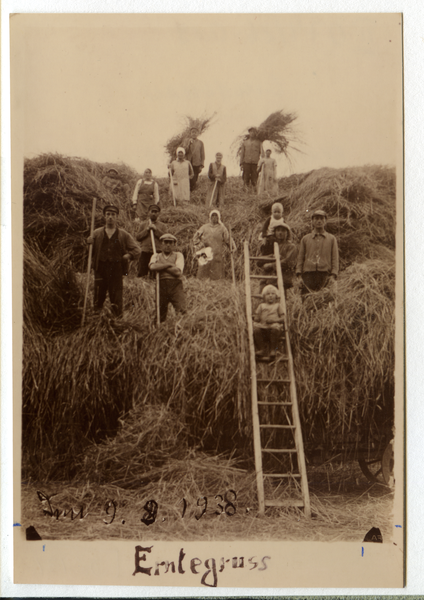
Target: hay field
[121,403]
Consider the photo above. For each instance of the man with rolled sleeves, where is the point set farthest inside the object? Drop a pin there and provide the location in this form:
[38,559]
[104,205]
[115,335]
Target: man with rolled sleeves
[318,258]
[112,249]
[251,152]
[170,265]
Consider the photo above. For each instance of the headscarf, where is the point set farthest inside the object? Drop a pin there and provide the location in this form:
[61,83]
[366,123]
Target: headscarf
[216,212]
[180,149]
[270,288]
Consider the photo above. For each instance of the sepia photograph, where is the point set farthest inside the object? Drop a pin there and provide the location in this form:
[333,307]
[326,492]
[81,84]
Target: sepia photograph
[208,272]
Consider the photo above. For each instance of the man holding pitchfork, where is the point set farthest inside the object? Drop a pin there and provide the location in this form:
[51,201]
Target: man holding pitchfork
[112,249]
[218,176]
[145,239]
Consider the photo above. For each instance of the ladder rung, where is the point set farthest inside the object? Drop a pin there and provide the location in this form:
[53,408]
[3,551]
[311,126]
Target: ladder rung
[275,403]
[273,277]
[278,426]
[284,503]
[261,380]
[258,296]
[279,475]
[279,450]
[264,258]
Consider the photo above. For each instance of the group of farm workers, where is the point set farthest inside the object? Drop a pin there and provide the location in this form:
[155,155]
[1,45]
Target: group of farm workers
[315,262]
[258,168]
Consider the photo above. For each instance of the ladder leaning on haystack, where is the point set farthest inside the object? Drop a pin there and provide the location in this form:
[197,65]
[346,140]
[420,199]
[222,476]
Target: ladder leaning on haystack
[277,433]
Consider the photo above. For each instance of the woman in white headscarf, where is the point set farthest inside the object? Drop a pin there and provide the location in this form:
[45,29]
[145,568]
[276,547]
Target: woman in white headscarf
[212,235]
[182,172]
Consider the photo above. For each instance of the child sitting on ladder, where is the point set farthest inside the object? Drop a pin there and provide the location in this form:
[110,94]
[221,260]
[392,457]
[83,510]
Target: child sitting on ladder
[268,323]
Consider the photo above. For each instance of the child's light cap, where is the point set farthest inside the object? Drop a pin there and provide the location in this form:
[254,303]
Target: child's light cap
[270,288]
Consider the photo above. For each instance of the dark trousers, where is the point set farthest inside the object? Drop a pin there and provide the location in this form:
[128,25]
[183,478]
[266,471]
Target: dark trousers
[313,281]
[143,265]
[193,181]
[108,278]
[266,340]
[250,174]
[171,291]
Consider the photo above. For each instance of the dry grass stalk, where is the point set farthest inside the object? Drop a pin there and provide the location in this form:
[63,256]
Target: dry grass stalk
[182,139]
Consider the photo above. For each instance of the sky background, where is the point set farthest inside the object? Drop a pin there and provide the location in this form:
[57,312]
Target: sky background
[115,88]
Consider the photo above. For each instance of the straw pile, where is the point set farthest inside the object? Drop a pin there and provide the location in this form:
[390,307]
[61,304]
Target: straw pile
[191,377]
[278,129]
[343,341]
[76,386]
[182,139]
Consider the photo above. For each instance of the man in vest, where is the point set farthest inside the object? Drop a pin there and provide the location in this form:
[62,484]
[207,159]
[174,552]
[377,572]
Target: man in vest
[112,249]
[146,193]
[251,152]
[196,156]
[170,265]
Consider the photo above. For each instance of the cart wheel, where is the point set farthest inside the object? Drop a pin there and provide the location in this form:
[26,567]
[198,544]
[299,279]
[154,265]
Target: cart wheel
[387,464]
[379,470]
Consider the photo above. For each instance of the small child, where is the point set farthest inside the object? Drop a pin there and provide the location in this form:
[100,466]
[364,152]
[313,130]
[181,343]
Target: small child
[217,173]
[273,221]
[268,323]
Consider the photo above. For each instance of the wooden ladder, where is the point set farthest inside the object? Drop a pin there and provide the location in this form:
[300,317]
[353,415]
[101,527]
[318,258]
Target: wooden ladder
[277,433]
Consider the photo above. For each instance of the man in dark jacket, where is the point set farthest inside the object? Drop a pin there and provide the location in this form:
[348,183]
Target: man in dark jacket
[251,152]
[112,249]
[196,156]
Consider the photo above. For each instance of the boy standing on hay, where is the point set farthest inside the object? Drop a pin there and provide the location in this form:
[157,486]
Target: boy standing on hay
[318,260]
[112,249]
[218,176]
[268,323]
[145,239]
[251,152]
[170,265]
[146,193]
[196,156]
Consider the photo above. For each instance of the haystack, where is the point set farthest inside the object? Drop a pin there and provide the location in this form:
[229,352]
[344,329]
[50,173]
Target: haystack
[277,129]
[182,139]
[81,386]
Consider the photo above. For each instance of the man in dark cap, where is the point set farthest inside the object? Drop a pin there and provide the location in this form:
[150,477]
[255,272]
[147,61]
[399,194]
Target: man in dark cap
[170,265]
[318,259]
[145,239]
[112,249]
[251,152]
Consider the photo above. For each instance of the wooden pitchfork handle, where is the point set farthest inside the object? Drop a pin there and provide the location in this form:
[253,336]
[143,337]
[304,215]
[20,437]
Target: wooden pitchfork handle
[232,258]
[172,187]
[152,237]
[90,255]
[213,192]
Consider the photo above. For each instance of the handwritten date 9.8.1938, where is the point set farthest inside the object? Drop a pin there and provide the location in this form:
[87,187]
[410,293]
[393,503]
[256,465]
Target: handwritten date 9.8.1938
[219,504]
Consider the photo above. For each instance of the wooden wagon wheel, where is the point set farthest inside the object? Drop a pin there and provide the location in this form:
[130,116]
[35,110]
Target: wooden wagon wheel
[379,470]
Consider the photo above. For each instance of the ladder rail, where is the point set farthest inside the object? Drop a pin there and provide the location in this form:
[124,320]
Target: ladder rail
[293,394]
[254,385]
